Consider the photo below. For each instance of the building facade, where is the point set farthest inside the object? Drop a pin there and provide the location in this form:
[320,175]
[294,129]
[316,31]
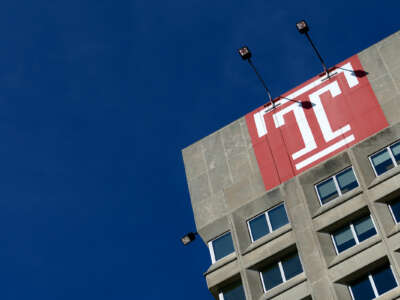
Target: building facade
[303,201]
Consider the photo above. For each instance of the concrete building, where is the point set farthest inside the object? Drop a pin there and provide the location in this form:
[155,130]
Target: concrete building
[303,201]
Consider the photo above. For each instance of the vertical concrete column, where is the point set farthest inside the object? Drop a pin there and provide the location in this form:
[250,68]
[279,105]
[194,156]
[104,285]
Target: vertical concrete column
[307,242]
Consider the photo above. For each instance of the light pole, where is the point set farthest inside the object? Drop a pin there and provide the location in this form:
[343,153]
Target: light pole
[245,53]
[303,28]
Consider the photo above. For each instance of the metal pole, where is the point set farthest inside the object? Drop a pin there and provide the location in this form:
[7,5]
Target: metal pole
[319,56]
[262,82]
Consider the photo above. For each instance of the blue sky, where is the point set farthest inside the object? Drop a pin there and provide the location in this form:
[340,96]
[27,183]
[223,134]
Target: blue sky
[97,100]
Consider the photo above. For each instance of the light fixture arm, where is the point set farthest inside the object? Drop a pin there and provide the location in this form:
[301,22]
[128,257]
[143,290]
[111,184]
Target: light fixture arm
[262,82]
[319,56]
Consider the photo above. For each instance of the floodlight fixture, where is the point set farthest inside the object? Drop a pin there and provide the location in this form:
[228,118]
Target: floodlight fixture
[245,54]
[303,28]
[188,238]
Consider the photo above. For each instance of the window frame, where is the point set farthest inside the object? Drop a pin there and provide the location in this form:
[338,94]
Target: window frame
[221,293]
[211,247]
[391,155]
[265,213]
[353,232]
[280,267]
[389,204]
[335,181]
[373,285]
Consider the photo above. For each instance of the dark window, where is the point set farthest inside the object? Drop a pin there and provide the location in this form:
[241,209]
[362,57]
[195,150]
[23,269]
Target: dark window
[233,292]
[267,222]
[258,227]
[277,217]
[362,290]
[386,159]
[374,284]
[343,239]
[353,233]
[395,148]
[222,246]
[327,191]
[281,271]
[347,180]
[336,185]
[291,266]
[395,208]
[382,162]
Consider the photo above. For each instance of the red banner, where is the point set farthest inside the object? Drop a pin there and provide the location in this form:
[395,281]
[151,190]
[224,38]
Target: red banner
[313,122]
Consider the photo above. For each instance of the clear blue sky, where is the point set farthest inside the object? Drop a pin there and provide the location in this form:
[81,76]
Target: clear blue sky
[97,99]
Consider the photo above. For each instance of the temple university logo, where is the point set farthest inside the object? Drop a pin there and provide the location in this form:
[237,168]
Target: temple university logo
[313,122]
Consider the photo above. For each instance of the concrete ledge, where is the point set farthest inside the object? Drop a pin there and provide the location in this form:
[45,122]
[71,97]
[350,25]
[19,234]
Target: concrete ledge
[355,250]
[267,238]
[284,287]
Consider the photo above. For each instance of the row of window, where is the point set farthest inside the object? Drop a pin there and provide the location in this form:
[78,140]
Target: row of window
[343,238]
[367,287]
[327,190]
[271,276]
[335,186]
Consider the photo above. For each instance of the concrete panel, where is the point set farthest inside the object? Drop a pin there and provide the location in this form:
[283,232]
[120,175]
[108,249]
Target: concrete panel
[396,77]
[385,89]
[238,194]
[209,210]
[389,51]
[193,158]
[240,166]
[372,63]
[199,188]
[233,140]
[391,109]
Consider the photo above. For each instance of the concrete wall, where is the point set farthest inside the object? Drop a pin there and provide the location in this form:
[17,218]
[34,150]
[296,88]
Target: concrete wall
[227,190]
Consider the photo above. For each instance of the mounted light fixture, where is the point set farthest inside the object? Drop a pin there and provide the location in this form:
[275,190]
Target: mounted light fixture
[303,28]
[188,238]
[245,54]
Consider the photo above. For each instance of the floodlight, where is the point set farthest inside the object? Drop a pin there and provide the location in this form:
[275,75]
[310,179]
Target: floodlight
[245,52]
[302,27]
[188,238]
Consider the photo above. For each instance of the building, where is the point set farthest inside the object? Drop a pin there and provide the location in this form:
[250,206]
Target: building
[303,201]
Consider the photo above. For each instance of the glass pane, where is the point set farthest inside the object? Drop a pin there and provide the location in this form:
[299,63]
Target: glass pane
[395,205]
[384,280]
[223,246]
[343,239]
[272,277]
[364,228]
[327,191]
[347,180]
[292,266]
[258,227]
[234,292]
[277,217]
[382,162]
[362,289]
[396,151]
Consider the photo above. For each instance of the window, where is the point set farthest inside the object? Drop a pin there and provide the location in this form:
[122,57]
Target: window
[394,207]
[267,222]
[281,271]
[374,284]
[386,159]
[232,292]
[336,185]
[221,247]
[353,234]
